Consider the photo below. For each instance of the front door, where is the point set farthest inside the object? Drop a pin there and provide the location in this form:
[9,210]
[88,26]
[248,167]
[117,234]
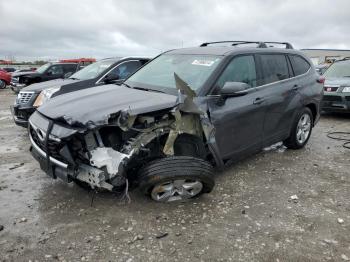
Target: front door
[53,72]
[239,120]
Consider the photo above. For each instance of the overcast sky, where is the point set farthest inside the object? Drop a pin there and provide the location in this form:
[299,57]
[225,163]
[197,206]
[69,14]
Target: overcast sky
[54,29]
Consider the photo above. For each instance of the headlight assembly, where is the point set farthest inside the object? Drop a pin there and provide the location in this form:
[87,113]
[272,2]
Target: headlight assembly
[44,96]
[346,89]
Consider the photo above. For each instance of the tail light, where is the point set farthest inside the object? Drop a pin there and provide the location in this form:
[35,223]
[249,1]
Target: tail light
[321,79]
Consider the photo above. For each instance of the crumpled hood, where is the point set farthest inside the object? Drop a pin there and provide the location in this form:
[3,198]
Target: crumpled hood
[93,106]
[48,84]
[341,81]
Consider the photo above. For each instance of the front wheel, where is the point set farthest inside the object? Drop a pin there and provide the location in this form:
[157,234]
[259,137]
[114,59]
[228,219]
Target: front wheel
[301,130]
[2,84]
[176,178]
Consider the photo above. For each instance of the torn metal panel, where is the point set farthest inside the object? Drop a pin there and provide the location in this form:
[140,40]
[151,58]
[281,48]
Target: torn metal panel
[186,103]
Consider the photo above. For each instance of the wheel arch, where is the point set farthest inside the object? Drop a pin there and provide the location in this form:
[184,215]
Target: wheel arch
[313,109]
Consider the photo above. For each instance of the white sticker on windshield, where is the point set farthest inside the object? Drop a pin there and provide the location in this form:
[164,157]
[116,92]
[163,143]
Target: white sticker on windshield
[203,62]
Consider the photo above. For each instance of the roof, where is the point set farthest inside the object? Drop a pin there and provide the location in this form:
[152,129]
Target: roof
[124,58]
[228,50]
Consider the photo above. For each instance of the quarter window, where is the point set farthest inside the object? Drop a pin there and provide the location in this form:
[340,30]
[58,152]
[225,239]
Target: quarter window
[275,68]
[240,69]
[300,65]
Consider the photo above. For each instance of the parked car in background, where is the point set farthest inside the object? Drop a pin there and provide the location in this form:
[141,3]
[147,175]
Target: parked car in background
[9,69]
[25,70]
[164,127]
[5,79]
[105,71]
[337,87]
[46,72]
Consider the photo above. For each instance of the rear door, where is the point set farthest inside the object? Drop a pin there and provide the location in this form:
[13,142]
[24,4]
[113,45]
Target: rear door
[280,92]
[239,120]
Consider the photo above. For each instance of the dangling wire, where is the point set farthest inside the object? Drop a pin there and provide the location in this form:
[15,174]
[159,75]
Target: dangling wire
[126,196]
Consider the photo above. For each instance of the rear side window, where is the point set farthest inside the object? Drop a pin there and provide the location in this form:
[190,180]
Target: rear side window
[275,68]
[240,69]
[300,65]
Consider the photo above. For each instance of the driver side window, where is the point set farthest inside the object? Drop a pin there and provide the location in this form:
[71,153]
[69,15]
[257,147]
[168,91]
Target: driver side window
[124,70]
[55,70]
[240,69]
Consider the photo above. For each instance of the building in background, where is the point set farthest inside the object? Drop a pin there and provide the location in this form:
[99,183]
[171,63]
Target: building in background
[321,56]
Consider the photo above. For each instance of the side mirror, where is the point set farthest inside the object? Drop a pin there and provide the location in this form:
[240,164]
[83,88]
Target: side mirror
[66,75]
[233,89]
[49,73]
[110,78]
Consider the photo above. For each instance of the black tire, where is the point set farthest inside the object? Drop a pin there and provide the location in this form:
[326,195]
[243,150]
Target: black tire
[2,84]
[292,141]
[176,168]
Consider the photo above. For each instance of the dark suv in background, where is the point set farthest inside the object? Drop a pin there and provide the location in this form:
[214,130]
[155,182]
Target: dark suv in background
[105,71]
[168,123]
[46,72]
[337,87]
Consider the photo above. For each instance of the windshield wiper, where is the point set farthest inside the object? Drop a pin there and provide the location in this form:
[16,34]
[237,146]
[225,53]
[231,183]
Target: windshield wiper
[126,85]
[73,78]
[147,89]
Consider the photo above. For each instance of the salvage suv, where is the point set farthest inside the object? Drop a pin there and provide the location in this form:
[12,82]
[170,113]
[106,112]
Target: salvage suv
[105,71]
[166,126]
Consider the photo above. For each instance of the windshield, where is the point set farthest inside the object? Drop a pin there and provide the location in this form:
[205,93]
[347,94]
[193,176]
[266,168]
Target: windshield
[338,69]
[159,73]
[43,68]
[93,70]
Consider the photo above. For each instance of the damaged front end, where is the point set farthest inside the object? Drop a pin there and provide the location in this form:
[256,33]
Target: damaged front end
[108,154]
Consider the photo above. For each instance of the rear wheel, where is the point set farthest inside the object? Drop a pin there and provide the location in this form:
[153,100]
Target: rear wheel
[2,84]
[301,130]
[176,178]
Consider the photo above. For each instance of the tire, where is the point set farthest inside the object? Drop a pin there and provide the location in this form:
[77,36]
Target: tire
[176,178]
[295,141]
[2,84]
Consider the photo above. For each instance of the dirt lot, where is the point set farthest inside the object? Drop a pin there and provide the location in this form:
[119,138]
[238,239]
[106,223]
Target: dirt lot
[248,217]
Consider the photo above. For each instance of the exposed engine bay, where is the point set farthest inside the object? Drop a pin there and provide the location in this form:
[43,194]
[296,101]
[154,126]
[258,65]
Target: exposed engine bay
[109,154]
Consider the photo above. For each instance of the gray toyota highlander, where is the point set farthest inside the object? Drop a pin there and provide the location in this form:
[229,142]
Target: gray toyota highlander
[184,112]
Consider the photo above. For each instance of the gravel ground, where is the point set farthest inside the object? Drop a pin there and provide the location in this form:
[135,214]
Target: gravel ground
[279,205]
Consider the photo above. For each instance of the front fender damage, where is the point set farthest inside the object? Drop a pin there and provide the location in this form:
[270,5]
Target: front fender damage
[107,165]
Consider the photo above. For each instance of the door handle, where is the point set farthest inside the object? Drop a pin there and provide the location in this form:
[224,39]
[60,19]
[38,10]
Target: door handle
[258,101]
[296,87]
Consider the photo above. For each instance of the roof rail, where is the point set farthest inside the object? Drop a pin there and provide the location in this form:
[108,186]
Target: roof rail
[260,44]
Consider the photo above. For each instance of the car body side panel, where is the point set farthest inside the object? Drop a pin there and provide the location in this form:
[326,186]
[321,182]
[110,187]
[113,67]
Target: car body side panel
[238,124]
